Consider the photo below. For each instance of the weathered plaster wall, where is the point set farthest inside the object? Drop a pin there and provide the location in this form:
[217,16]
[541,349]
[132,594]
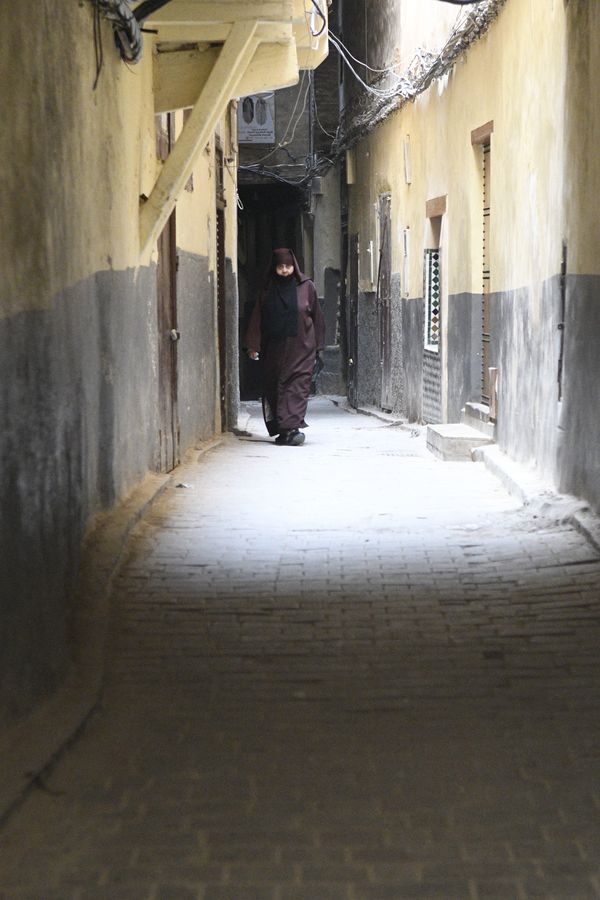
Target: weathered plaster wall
[525,348]
[578,469]
[76,392]
[78,319]
[545,177]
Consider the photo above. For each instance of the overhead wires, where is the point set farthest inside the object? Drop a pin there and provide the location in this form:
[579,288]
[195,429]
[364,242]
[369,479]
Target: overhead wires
[374,105]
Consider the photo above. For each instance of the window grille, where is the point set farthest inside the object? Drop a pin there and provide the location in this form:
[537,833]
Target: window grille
[433,298]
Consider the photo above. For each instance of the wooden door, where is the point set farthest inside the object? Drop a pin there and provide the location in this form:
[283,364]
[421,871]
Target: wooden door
[168,335]
[352,322]
[222,312]
[485,324]
[222,317]
[384,301]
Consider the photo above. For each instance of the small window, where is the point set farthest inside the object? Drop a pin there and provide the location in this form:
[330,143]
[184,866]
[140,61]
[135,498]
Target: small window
[433,299]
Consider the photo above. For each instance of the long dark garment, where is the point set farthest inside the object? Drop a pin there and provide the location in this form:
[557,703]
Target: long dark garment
[287,362]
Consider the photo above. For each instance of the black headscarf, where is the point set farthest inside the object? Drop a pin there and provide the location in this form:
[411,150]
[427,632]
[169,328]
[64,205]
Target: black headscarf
[280,307]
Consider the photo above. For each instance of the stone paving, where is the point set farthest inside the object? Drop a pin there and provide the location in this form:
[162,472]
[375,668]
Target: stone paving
[345,671]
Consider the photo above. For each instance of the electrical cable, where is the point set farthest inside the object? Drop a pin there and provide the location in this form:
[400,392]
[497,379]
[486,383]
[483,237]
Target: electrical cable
[376,92]
[282,143]
[98,49]
[127,32]
[359,61]
[323,19]
[424,68]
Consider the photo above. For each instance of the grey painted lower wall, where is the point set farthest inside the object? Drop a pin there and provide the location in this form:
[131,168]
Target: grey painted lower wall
[368,374]
[578,463]
[524,346]
[412,358]
[79,391]
[560,439]
[464,314]
[233,349]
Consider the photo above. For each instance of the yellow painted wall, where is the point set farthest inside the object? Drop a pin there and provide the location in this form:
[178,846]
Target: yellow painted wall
[60,230]
[582,136]
[516,81]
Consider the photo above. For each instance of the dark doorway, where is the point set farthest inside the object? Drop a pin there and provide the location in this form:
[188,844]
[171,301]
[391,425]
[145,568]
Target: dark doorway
[270,216]
[221,290]
[384,301]
[168,335]
[352,318]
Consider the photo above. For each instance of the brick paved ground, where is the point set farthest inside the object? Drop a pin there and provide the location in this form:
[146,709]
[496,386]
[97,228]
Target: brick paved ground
[346,671]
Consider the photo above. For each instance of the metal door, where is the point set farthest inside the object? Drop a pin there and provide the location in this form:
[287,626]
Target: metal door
[352,321]
[168,335]
[384,301]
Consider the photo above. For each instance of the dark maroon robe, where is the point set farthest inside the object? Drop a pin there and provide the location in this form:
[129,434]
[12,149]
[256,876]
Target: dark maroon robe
[287,363]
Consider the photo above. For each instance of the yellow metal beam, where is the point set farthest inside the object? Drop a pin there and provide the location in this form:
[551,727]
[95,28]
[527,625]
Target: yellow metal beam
[218,89]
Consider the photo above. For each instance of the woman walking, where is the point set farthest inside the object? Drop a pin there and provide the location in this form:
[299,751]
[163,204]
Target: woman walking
[286,330]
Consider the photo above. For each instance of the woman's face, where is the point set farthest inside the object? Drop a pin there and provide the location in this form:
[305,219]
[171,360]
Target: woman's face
[284,269]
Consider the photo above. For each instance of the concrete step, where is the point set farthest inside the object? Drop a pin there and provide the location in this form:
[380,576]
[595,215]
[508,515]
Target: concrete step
[455,441]
[477,416]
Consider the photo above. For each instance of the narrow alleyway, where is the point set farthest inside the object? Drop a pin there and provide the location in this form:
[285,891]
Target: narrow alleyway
[346,671]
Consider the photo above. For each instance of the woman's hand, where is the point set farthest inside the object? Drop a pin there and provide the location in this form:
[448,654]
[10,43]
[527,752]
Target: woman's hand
[252,354]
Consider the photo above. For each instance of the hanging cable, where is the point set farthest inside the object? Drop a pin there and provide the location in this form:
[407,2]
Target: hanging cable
[281,145]
[98,49]
[359,61]
[387,93]
[425,67]
[323,19]
[127,32]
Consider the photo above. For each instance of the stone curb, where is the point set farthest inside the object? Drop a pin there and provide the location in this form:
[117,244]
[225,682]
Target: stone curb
[531,490]
[33,744]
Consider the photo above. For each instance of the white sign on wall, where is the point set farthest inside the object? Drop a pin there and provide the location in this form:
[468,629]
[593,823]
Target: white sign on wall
[256,119]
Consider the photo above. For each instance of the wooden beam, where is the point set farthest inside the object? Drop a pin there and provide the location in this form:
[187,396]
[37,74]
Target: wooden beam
[220,86]
[435,207]
[482,135]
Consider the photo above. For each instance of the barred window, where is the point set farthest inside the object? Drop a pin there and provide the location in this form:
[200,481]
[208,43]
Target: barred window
[433,299]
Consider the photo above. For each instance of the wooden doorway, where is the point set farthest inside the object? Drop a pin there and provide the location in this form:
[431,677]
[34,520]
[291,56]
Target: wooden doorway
[352,325]
[222,312]
[485,324]
[168,335]
[384,301]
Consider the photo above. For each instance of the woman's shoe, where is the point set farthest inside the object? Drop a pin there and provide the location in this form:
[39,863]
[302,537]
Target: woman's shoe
[295,438]
[291,438]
